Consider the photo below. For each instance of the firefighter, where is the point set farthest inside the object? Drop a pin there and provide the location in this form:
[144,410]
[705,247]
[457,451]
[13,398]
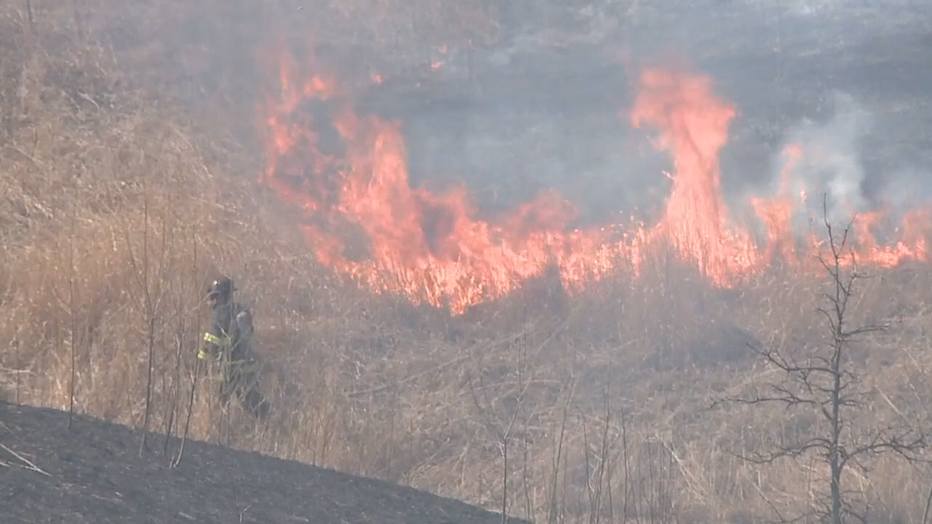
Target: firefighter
[229,342]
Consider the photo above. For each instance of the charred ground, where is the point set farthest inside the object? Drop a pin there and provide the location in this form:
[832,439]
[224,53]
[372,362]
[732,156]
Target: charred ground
[94,472]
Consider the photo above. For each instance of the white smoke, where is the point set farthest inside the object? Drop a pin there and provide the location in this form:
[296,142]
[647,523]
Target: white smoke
[829,163]
[907,189]
[809,7]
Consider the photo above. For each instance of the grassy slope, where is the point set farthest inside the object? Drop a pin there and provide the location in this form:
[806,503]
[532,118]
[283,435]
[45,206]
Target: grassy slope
[128,163]
[93,473]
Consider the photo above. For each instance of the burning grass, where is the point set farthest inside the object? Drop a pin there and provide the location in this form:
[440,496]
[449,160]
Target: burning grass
[431,247]
[122,198]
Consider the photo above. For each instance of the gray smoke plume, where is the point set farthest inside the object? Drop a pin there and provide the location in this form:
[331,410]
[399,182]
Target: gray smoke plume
[830,162]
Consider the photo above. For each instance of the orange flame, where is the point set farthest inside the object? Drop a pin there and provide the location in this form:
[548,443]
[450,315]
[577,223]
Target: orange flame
[365,221]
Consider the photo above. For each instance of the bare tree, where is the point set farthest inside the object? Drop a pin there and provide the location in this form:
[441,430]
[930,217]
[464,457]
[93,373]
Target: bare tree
[71,305]
[823,381]
[151,292]
[503,432]
[558,452]
[197,329]
[602,473]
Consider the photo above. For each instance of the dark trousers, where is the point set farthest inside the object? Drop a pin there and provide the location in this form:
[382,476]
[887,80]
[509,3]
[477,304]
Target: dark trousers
[240,378]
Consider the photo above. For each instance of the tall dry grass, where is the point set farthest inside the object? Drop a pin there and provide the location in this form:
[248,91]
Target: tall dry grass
[127,169]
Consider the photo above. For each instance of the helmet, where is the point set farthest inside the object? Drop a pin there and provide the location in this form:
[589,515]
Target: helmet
[222,287]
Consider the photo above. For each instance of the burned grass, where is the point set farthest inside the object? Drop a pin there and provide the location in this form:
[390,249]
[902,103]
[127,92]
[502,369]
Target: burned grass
[93,472]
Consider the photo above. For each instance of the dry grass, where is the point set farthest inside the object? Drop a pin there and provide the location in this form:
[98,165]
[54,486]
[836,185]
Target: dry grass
[127,169]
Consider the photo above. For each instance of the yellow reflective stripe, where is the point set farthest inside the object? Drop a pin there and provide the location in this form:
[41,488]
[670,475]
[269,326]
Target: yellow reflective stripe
[223,342]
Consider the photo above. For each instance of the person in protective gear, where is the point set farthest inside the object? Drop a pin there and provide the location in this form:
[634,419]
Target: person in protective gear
[229,342]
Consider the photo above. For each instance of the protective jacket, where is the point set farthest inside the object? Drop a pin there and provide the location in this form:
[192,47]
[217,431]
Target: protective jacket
[230,333]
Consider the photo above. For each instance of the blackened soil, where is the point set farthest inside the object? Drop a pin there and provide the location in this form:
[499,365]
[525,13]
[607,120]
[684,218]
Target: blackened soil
[93,473]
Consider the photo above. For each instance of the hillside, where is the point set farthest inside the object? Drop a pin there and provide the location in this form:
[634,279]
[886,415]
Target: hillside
[94,473]
[505,255]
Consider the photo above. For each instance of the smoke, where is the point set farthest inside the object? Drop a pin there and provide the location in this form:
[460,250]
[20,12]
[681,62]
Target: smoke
[907,189]
[508,149]
[824,159]
[809,7]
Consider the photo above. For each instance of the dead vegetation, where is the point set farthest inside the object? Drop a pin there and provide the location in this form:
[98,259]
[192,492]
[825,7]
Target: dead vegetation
[127,177]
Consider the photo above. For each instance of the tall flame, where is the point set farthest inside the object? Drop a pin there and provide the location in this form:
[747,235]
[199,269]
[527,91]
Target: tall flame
[349,176]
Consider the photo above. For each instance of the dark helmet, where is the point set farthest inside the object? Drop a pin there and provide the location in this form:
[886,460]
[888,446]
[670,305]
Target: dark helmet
[221,288]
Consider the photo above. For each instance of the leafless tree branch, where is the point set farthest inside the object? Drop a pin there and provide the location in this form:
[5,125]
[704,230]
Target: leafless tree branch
[825,383]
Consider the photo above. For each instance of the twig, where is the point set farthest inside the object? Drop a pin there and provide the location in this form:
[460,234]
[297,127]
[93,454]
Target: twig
[74,324]
[29,463]
[925,514]
[32,19]
[197,328]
